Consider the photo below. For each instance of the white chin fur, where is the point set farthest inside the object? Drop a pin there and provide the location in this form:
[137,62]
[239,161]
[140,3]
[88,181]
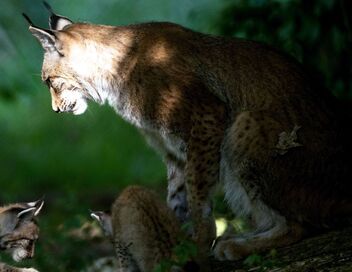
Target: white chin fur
[80,107]
[19,254]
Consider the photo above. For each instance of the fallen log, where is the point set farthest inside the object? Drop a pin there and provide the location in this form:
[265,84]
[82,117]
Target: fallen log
[330,251]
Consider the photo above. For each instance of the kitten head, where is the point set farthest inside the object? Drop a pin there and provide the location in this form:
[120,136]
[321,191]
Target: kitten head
[104,220]
[18,229]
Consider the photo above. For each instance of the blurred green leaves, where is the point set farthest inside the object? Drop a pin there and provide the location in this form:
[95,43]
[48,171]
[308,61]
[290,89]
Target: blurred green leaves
[318,33]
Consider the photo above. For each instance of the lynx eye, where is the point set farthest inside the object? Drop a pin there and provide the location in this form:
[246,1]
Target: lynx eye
[48,82]
[5,244]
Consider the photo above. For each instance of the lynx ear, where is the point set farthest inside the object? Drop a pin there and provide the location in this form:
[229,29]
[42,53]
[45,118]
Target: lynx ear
[104,220]
[56,22]
[38,205]
[46,37]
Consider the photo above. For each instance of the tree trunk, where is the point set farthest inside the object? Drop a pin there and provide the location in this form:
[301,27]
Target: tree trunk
[328,252]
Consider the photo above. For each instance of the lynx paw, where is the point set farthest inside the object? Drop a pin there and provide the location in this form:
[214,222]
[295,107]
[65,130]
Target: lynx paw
[29,270]
[229,250]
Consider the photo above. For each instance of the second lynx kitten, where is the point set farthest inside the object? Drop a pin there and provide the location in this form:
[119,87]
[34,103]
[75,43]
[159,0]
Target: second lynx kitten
[19,232]
[143,230]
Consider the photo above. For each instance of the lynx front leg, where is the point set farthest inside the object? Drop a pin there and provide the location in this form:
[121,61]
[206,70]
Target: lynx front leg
[202,174]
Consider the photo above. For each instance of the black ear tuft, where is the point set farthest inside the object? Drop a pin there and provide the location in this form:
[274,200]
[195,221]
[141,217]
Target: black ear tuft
[47,6]
[28,20]
[56,22]
[46,37]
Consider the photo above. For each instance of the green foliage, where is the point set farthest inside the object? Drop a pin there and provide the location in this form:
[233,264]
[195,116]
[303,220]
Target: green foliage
[184,252]
[318,33]
[261,263]
[181,254]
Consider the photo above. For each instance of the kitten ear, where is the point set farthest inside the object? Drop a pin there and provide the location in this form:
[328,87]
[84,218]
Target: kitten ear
[104,220]
[25,212]
[38,205]
[46,37]
[56,22]
[32,209]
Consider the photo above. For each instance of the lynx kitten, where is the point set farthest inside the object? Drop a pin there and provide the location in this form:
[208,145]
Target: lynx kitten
[19,232]
[143,229]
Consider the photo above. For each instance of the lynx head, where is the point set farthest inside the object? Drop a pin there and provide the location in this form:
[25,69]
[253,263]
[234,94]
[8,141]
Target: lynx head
[104,220]
[18,229]
[74,62]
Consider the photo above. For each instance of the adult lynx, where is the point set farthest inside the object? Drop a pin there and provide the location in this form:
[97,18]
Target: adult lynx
[220,111]
[19,232]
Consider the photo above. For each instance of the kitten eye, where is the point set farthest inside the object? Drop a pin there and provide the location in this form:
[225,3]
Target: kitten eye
[5,244]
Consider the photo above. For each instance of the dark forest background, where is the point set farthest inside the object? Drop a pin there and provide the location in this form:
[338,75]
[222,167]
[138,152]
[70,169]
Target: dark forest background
[81,163]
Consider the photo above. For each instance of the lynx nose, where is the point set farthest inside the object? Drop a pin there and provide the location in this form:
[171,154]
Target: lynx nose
[55,108]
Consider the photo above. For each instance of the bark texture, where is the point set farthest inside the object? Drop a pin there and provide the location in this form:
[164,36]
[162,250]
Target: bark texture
[331,252]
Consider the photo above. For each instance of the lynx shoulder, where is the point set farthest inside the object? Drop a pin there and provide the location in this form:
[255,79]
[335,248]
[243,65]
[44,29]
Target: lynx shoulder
[220,111]
[19,232]
[143,229]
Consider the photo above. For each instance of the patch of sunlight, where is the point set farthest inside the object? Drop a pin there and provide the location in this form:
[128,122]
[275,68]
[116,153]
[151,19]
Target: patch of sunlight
[239,225]
[221,225]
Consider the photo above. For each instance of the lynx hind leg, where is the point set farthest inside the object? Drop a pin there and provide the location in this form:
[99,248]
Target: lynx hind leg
[274,232]
[177,194]
[250,140]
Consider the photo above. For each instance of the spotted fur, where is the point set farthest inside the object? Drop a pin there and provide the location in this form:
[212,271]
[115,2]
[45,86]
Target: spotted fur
[143,229]
[219,111]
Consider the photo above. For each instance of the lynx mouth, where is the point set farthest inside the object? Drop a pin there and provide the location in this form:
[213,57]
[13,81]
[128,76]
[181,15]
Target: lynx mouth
[75,106]
[19,254]
[80,107]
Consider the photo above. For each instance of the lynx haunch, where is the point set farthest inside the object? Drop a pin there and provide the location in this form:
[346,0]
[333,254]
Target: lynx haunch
[220,111]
